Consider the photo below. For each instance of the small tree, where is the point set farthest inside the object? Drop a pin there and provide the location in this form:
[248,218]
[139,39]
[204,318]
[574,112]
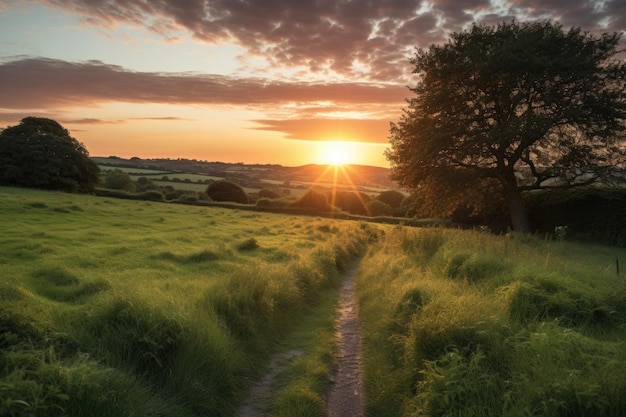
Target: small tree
[265,193]
[118,180]
[40,153]
[352,201]
[227,191]
[393,198]
[511,108]
[379,208]
[313,199]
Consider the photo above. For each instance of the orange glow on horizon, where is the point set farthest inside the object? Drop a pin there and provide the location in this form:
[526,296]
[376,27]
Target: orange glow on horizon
[338,153]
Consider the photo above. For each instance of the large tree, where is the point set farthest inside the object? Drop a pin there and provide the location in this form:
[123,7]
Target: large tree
[510,108]
[40,153]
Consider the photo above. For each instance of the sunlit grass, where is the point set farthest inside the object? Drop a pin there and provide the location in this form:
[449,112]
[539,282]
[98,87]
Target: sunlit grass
[117,307]
[466,323]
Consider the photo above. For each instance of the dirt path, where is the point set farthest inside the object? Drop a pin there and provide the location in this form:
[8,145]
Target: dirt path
[346,394]
[260,394]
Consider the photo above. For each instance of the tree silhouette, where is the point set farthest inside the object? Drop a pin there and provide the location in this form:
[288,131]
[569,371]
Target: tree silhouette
[40,153]
[509,108]
[227,191]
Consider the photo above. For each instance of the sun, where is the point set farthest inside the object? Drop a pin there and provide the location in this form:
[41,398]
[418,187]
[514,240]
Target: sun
[336,153]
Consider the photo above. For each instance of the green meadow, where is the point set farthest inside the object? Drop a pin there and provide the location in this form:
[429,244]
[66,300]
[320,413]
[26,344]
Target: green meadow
[463,323]
[129,308]
[113,307]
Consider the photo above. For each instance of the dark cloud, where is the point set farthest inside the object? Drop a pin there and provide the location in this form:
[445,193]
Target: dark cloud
[38,83]
[365,40]
[333,35]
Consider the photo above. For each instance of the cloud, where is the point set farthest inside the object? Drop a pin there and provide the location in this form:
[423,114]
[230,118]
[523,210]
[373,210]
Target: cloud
[357,130]
[38,83]
[370,39]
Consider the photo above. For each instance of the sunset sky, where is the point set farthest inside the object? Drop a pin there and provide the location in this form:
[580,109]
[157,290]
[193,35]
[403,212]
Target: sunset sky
[253,81]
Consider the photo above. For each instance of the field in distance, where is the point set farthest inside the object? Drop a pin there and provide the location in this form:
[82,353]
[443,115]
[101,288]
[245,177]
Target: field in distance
[193,175]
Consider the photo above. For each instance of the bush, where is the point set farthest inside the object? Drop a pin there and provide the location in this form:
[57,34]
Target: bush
[313,199]
[273,203]
[227,191]
[392,197]
[352,202]
[152,195]
[265,193]
[378,208]
[118,180]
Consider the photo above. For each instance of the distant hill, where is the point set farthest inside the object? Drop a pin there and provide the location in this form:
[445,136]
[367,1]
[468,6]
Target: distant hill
[359,175]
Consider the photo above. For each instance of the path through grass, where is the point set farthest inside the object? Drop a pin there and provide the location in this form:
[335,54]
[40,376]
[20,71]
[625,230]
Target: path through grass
[118,308]
[345,398]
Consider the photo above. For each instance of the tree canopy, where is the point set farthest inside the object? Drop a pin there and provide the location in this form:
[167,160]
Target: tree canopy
[40,153]
[227,191]
[510,108]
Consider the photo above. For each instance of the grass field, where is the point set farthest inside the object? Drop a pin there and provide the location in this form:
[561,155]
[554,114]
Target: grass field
[132,308]
[129,308]
[462,323]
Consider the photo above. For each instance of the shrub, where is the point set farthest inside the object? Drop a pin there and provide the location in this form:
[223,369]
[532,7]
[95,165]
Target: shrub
[313,199]
[378,208]
[352,202]
[227,191]
[276,203]
[152,195]
[265,193]
[391,197]
[118,180]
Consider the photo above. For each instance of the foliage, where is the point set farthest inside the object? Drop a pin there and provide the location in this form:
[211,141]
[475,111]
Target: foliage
[393,198]
[227,191]
[379,208]
[510,108]
[352,201]
[40,153]
[314,200]
[590,213]
[118,180]
[265,193]
[279,203]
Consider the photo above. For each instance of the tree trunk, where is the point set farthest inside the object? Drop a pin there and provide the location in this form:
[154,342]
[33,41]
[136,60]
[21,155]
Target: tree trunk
[517,210]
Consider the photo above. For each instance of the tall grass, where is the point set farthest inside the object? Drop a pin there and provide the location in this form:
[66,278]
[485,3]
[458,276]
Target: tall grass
[129,308]
[461,323]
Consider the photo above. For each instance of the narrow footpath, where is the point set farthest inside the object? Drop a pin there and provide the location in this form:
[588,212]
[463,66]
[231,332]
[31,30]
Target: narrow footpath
[346,394]
[345,397]
[260,394]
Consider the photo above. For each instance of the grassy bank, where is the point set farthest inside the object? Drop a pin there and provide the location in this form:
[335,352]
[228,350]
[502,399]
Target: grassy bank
[461,323]
[116,308]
